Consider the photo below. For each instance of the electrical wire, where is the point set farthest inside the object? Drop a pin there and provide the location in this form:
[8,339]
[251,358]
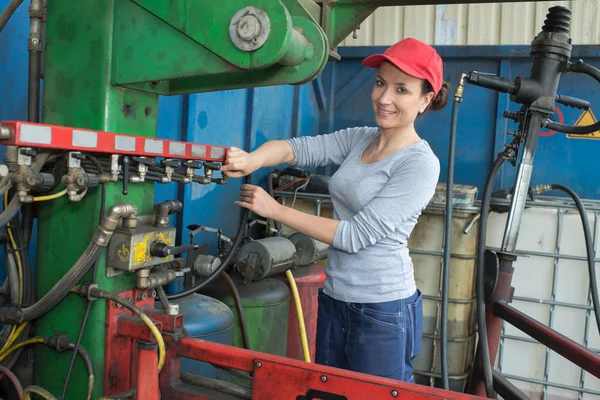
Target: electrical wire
[240,309]
[19,345]
[39,391]
[300,314]
[589,248]
[14,380]
[51,196]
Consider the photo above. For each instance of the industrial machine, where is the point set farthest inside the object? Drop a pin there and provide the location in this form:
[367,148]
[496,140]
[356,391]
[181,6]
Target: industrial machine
[94,154]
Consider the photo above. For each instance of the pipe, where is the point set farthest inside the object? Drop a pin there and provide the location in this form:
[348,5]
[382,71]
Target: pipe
[506,389]
[14,380]
[448,232]
[164,210]
[240,309]
[216,385]
[35,57]
[589,248]
[147,280]
[300,314]
[8,12]
[480,283]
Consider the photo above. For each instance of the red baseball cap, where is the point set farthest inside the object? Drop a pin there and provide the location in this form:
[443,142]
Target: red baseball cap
[414,58]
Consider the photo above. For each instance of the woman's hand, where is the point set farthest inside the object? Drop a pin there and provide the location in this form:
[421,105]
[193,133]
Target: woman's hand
[239,163]
[257,200]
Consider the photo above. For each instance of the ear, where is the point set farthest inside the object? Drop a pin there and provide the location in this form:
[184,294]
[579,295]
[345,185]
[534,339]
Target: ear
[426,101]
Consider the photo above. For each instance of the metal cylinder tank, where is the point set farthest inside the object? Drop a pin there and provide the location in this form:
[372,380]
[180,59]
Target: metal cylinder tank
[308,250]
[309,280]
[207,319]
[266,307]
[265,257]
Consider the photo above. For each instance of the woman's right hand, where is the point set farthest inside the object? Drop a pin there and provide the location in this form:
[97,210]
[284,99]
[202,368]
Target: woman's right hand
[239,163]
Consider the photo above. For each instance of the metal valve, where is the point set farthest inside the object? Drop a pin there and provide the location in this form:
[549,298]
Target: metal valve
[160,249]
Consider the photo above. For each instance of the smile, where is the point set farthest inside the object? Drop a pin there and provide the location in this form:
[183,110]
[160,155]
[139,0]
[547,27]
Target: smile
[384,113]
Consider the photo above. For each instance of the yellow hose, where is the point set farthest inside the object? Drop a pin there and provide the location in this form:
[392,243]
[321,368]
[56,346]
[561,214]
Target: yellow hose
[301,326]
[37,390]
[159,340]
[18,346]
[14,335]
[51,196]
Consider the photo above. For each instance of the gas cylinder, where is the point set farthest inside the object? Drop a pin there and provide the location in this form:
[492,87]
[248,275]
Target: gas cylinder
[266,307]
[208,319]
[309,280]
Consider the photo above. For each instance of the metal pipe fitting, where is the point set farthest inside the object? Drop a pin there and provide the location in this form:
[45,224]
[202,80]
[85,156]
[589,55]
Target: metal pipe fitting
[111,220]
[5,133]
[147,280]
[163,210]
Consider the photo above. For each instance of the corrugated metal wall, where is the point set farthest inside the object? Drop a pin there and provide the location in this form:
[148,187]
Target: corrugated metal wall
[475,24]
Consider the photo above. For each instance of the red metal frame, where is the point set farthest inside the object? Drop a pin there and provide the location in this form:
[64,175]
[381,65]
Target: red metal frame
[28,134]
[274,377]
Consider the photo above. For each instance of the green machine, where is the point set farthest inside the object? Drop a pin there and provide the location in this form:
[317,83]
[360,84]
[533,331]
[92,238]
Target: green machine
[107,62]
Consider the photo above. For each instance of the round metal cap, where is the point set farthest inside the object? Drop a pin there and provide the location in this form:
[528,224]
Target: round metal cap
[249,28]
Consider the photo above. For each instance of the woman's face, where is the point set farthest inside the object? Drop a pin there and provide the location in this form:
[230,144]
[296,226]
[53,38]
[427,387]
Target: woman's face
[397,98]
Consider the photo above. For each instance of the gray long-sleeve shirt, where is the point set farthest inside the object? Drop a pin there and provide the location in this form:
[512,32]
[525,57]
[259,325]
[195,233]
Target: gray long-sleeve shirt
[377,205]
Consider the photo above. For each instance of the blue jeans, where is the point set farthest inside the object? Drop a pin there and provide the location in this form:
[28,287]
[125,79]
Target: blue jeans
[375,338]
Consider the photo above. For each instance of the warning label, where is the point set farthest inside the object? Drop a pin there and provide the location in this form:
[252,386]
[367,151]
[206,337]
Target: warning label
[587,118]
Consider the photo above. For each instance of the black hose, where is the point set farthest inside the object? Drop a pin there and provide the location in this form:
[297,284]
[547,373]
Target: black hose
[240,309]
[89,304]
[217,385]
[8,12]
[578,130]
[448,243]
[480,284]
[589,248]
[10,212]
[60,344]
[57,293]
[228,260]
[271,191]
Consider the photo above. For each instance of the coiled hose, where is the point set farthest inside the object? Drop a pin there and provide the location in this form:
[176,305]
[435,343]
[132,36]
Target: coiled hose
[480,283]
[589,248]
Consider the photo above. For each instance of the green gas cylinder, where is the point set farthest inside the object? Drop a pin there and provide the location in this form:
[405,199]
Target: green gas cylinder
[266,307]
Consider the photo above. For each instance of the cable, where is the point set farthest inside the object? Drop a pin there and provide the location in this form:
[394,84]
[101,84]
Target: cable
[448,236]
[8,12]
[480,283]
[14,380]
[94,292]
[300,315]
[94,273]
[224,264]
[19,345]
[240,309]
[305,184]
[39,391]
[51,196]
[14,337]
[589,248]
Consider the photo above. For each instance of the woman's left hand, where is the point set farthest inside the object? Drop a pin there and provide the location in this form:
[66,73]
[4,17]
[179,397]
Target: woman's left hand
[257,200]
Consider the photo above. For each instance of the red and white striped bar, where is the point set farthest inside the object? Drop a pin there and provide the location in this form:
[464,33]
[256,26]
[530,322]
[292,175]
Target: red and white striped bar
[27,134]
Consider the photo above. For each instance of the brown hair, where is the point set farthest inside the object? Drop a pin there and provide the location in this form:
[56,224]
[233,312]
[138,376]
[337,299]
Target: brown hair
[440,100]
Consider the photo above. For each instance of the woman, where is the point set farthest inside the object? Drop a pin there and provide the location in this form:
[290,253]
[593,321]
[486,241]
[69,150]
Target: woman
[370,311]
